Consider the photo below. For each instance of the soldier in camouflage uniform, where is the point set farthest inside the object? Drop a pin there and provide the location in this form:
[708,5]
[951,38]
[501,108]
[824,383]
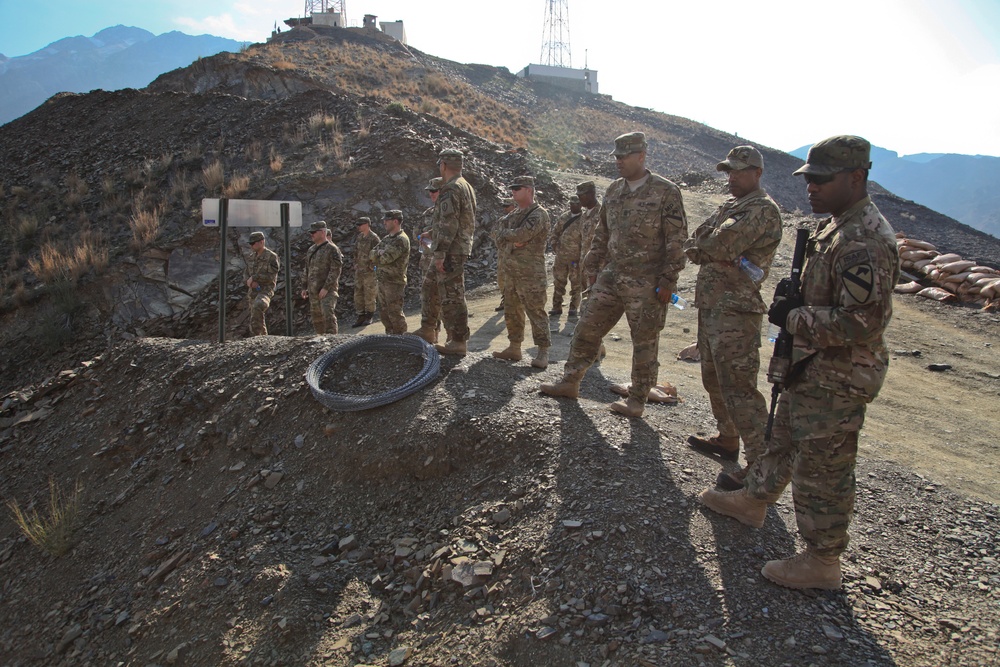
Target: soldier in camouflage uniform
[730,308]
[509,206]
[567,243]
[324,262]
[263,277]
[639,243]
[522,253]
[454,227]
[391,257]
[430,297]
[839,361]
[587,192]
[364,273]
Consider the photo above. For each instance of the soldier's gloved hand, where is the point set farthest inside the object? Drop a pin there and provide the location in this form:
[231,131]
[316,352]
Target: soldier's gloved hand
[783,287]
[777,314]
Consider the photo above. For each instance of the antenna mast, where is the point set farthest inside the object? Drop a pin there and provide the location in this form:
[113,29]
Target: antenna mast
[327,6]
[555,35]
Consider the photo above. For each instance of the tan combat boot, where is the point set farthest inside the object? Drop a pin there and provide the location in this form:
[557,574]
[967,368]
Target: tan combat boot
[805,570]
[429,335]
[566,389]
[512,353]
[541,359]
[737,504]
[456,348]
[630,407]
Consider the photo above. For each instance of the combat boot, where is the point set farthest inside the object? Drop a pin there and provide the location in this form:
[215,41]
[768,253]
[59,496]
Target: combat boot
[360,322]
[556,311]
[732,481]
[499,308]
[571,313]
[369,318]
[805,570]
[541,359]
[566,389]
[512,353]
[736,504]
[630,407]
[455,348]
[428,334]
[725,447]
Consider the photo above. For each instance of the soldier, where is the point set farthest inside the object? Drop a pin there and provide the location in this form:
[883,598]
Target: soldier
[747,227]
[839,361]
[263,277]
[454,227]
[587,192]
[522,249]
[639,243]
[509,206]
[364,273]
[391,257]
[567,244]
[322,272]
[430,298]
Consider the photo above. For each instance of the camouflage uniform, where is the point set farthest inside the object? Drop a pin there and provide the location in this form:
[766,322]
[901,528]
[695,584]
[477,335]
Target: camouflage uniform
[588,226]
[391,258]
[364,272]
[525,282]
[324,262]
[638,241]
[839,362]
[567,241]
[730,312]
[430,297]
[452,242]
[263,270]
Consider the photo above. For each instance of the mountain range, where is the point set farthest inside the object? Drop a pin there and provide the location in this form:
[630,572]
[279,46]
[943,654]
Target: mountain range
[961,186]
[114,58]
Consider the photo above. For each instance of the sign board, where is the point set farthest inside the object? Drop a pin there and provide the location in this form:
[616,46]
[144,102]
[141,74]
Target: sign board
[251,213]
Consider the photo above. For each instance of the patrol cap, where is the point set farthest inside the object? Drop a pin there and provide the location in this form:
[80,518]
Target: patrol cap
[741,157]
[626,144]
[585,187]
[451,157]
[573,199]
[363,221]
[256,236]
[435,184]
[843,152]
[317,226]
[507,201]
[522,182]
[394,214]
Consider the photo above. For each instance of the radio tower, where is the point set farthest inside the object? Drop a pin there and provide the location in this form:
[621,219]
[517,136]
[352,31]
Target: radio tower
[555,35]
[327,6]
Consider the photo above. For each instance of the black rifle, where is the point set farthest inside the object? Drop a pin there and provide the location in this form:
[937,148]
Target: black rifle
[779,369]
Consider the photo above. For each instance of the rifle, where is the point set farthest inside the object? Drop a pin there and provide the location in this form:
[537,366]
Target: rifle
[778,370]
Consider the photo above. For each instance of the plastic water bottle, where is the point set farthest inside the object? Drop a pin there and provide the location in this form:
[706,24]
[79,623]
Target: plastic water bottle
[755,272]
[772,332]
[678,302]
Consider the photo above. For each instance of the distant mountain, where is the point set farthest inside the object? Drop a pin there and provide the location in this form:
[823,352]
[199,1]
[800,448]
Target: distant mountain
[961,186]
[114,58]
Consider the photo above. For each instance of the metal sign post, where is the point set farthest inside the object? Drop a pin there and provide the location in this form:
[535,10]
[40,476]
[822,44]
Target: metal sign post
[288,270]
[223,225]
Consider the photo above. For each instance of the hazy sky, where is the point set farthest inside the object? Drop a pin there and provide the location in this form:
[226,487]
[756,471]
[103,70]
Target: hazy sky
[909,75]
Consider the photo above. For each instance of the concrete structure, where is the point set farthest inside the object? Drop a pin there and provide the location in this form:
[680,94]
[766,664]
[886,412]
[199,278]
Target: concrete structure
[369,21]
[395,30]
[580,80]
[330,19]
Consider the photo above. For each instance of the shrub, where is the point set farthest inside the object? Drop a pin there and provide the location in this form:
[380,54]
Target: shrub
[213,177]
[52,531]
[277,162]
[145,226]
[237,187]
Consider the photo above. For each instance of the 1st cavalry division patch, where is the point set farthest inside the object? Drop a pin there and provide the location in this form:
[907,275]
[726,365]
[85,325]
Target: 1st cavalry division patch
[858,281]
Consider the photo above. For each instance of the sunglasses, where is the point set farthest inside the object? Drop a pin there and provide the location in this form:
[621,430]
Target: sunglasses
[515,188]
[435,190]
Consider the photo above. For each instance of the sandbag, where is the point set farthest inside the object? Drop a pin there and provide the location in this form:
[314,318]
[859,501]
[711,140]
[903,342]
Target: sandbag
[922,245]
[957,266]
[936,294]
[941,260]
[921,263]
[908,288]
[914,255]
[956,277]
[984,269]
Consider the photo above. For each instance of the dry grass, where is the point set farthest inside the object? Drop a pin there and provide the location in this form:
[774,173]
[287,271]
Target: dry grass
[145,226]
[254,151]
[277,162]
[51,531]
[180,187]
[193,152]
[56,264]
[76,190]
[283,65]
[135,175]
[213,177]
[237,187]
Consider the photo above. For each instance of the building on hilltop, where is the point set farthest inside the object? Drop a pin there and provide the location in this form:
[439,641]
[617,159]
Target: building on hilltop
[579,80]
[395,30]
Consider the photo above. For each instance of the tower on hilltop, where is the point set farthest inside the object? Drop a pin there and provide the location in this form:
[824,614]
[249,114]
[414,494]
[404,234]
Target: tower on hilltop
[328,12]
[556,51]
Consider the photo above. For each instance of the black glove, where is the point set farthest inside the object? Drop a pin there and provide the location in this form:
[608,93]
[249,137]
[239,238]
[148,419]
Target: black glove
[783,287]
[777,314]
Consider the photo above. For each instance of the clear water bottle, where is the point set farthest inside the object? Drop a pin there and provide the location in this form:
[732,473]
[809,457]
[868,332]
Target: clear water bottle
[678,302]
[755,272]
[772,332]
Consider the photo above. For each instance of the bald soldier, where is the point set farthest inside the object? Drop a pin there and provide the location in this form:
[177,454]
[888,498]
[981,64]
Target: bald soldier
[263,278]
[639,242]
[522,253]
[567,243]
[747,227]
[839,361]
[364,273]
[324,262]
[391,257]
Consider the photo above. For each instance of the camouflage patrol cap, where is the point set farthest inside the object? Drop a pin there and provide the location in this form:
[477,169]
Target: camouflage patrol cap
[507,201]
[585,187]
[573,199]
[256,236]
[836,154]
[363,221]
[319,225]
[451,157]
[435,183]
[741,157]
[626,144]
[522,182]
[394,214]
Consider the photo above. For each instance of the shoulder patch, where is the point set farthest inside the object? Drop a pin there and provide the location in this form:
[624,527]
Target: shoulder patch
[859,280]
[446,206]
[860,256]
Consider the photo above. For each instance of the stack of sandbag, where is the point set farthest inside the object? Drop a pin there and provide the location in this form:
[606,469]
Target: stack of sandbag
[952,278]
